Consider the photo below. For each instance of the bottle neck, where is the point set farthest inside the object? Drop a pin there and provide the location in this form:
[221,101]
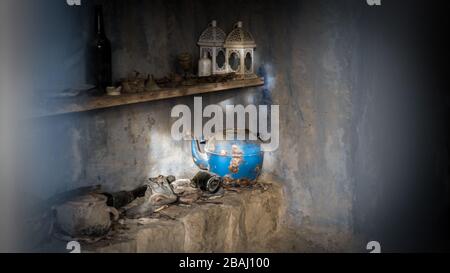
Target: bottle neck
[99,24]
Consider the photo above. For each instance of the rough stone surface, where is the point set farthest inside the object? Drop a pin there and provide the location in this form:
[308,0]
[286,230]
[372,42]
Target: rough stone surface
[248,221]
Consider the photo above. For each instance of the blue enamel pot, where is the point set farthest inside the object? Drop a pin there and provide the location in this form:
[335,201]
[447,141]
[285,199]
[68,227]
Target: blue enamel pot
[234,154]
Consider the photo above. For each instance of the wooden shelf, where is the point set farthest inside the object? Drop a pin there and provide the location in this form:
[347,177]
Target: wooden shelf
[74,105]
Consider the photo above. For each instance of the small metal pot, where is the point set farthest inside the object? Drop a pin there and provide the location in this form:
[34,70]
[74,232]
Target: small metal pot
[229,157]
[86,215]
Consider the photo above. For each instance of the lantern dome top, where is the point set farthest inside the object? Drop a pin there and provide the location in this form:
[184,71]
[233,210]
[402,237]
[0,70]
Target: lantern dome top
[212,36]
[239,37]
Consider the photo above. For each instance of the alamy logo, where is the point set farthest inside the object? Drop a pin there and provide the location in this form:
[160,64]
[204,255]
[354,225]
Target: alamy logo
[73,2]
[235,118]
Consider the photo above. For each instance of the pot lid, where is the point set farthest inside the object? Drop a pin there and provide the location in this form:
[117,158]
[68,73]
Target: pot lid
[235,143]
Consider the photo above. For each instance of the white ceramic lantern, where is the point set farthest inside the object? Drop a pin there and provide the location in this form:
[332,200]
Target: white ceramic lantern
[211,43]
[239,48]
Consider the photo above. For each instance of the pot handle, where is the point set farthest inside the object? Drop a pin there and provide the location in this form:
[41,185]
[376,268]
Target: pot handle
[114,212]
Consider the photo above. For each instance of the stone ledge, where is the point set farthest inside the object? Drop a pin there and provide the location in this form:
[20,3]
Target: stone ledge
[244,222]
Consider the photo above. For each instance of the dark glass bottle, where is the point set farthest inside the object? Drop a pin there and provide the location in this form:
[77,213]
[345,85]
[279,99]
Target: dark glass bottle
[102,53]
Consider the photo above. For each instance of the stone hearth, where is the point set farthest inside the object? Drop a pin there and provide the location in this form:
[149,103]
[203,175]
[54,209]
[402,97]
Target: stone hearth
[243,221]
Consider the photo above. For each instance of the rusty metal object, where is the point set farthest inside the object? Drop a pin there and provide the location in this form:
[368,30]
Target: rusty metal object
[236,160]
[231,184]
[234,164]
[233,153]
